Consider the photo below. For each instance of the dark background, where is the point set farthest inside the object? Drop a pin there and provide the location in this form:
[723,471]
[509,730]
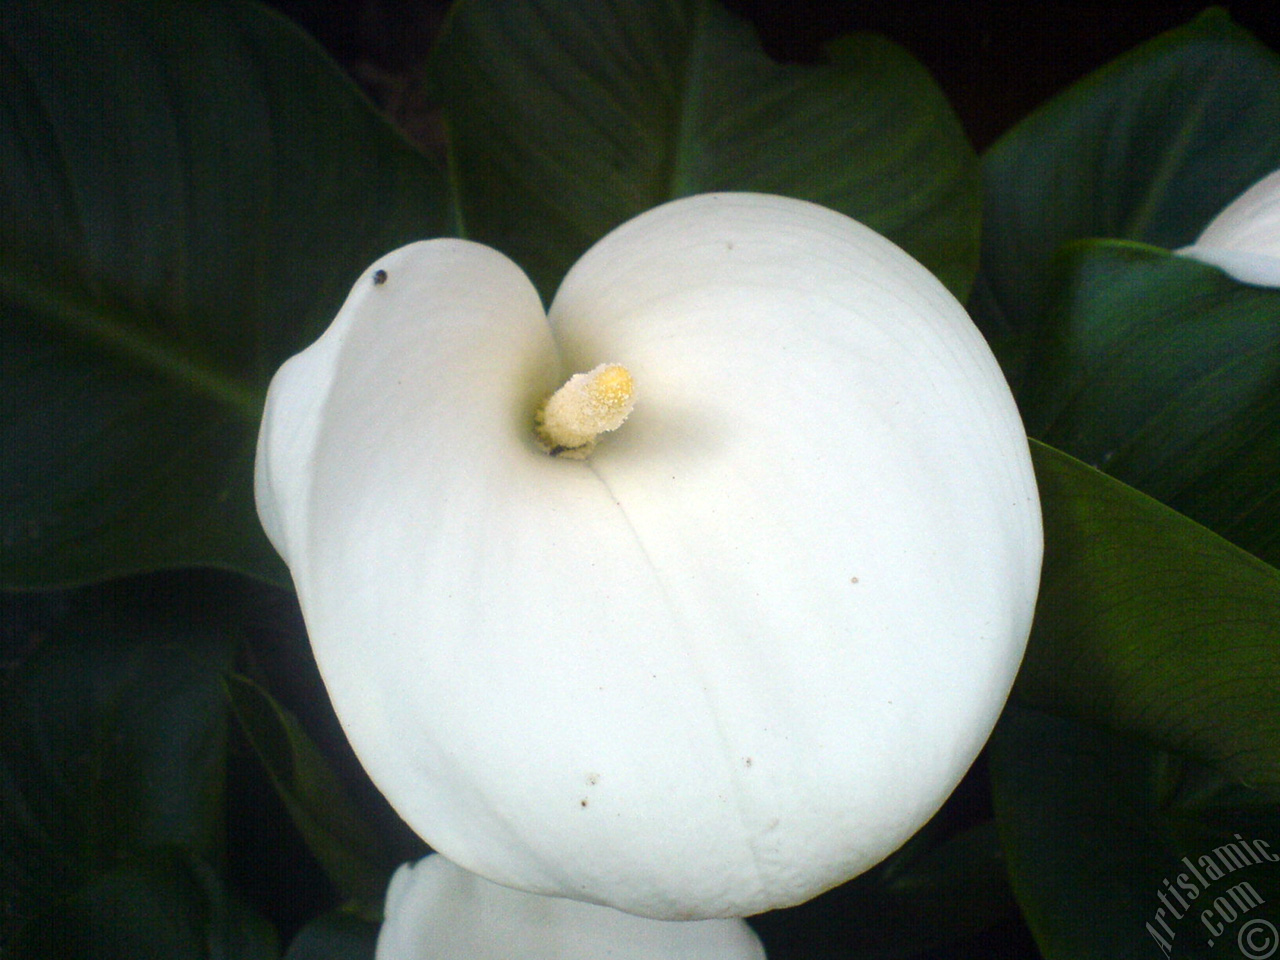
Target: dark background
[996,59]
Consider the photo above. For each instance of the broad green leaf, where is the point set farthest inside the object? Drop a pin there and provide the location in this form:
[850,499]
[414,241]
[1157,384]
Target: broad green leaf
[113,733]
[1151,625]
[187,192]
[1165,373]
[1149,148]
[331,825]
[168,904]
[334,936]
[565,119]
[1096,829]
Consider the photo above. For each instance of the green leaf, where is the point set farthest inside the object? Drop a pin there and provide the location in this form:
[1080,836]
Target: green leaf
[192,190]
[329,822]
[1149,148]
[167,905]
[1095,829]
[113,732]
[565,119]
[1165,373]
[334,936]
[1153,626]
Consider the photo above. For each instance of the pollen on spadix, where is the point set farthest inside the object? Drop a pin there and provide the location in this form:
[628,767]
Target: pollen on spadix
[588,405]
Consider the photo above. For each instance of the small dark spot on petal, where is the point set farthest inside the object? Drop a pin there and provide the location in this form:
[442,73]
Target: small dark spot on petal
[379,277]
[583,801]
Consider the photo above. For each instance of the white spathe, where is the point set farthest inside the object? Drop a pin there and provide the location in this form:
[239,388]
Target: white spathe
[1244,239]
[438,911]
[736,656]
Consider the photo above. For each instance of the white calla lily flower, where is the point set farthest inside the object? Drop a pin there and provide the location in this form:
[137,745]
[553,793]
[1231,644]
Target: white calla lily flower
[743,648]
[1244,239]
[438,911]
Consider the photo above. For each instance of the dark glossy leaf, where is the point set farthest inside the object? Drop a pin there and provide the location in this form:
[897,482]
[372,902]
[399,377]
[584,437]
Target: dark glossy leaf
[333,828]
[113,731]
[1165,373]
[566,119]
[1153,626]
[187,192]
[1149,148]
[1096,829]
[168,905]
[334,936]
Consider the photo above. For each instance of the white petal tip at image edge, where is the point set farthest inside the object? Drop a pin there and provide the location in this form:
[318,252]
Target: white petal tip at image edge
[438,911]
[1244,239]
